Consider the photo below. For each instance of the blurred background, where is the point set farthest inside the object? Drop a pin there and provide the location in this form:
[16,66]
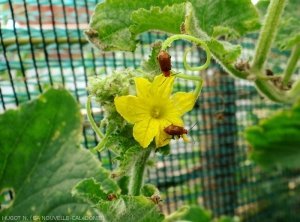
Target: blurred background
[42,45]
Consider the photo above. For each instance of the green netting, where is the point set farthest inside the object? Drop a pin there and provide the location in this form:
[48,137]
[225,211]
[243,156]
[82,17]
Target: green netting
[214,171]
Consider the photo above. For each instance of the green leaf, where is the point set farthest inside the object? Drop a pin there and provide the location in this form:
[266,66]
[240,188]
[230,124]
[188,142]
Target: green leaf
[198,213]
[41,160]
[109,26]
[225,51]
[149,189]
[165,150]
[151,65]
[115,24]
[169,19]
[288,33]
[130,208]
[214,16]
[89,189]
[276,141]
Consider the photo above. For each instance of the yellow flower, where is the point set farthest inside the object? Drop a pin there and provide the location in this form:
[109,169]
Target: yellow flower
[154,109]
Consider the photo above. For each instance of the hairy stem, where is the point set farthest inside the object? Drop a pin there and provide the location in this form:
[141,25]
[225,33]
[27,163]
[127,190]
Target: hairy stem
[137,172]
[292,62]
[267,34]
[91,119]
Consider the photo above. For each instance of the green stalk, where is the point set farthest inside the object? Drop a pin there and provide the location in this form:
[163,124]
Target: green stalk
[267,34]
[90,117]
[294,92]
[271,92]
[178,213]
[292,62]
[138,171]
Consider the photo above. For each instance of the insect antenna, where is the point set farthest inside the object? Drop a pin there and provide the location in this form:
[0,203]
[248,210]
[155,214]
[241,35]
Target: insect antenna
[191,135]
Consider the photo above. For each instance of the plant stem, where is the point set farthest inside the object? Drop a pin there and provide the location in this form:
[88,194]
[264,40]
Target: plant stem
[90,117]
[292,62]
[271,92]
[178,213]
[295,91]
[137,172]
[267,34]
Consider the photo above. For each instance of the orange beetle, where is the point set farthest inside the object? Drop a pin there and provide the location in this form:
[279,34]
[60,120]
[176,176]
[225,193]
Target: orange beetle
[164,60]
[177,131]
[174,130]
[111,196]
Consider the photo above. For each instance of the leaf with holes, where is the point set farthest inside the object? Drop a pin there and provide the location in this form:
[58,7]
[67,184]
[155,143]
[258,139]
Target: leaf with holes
[276,141]
[41,159]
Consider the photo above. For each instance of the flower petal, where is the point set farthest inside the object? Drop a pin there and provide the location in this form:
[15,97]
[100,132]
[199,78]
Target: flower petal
[131,108]
[145,130]
[143,89]
[183,101]
[162,137]
[162,87]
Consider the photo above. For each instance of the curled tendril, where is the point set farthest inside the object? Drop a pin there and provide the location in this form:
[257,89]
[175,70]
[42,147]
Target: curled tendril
[169,41]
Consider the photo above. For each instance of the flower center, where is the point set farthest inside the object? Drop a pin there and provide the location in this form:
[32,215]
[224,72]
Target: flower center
[155,113]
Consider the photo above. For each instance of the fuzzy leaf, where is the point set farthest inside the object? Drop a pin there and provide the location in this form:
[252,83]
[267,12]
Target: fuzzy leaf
[167,19]
[149,189]
[109,26]
[219,17]
[130,208]
[115,24]
[41,160]
[276,141]
[197,213]
[89,189]
[151,65]
[225,51]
